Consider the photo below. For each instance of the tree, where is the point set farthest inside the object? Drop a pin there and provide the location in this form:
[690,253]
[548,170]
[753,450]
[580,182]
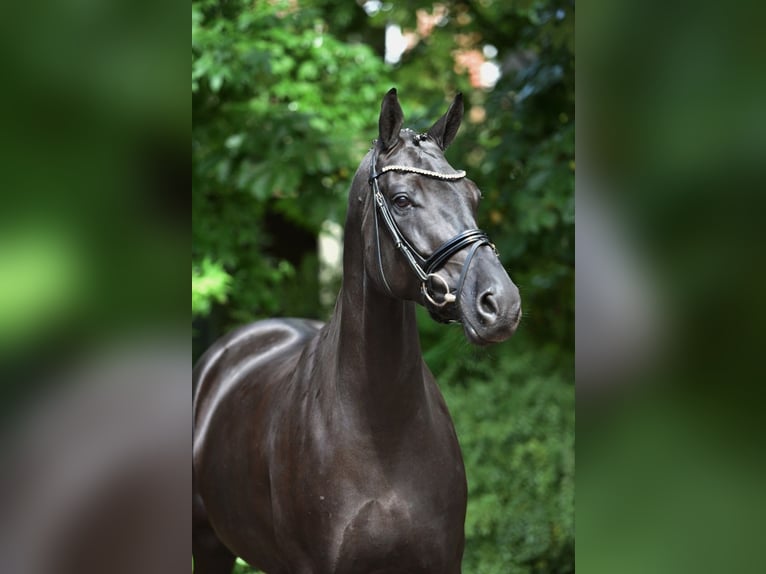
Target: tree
[281,111]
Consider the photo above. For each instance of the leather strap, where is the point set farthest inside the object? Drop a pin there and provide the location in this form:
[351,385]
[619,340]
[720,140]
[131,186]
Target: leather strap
[423,267]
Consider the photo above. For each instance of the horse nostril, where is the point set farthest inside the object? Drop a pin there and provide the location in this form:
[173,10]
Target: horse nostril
[488,306]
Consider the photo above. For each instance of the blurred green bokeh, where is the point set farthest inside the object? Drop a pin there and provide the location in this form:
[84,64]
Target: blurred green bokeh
[94,243]
[94,116]
[671,152]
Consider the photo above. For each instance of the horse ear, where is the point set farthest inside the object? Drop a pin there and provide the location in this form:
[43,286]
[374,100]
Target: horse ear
[390,121]
[445,129]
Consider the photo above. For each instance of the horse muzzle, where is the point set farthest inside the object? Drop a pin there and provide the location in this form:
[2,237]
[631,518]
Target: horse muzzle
[493,315]
[488,304]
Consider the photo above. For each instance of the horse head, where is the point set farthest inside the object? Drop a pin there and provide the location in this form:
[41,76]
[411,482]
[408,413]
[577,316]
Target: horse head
[421,239]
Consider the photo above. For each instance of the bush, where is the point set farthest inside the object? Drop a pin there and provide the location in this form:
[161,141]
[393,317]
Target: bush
[516,430]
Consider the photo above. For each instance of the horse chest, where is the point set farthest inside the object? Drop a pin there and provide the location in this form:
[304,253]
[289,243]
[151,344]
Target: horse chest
[378,528]
[371,513]
[391,531]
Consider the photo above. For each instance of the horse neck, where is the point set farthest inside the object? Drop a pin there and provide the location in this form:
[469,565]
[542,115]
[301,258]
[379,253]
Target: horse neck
[379,364]
[381,334]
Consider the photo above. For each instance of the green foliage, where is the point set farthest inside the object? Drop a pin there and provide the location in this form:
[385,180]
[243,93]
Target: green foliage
[513,408]
[209,283]
[241,567]
[516,430]
[285,102]
[281,114]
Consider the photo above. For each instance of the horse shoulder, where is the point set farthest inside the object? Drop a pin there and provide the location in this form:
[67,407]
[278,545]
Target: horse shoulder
[234,357]
[238,386]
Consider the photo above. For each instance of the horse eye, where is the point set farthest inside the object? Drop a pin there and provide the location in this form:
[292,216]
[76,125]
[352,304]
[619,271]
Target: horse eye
[402,201]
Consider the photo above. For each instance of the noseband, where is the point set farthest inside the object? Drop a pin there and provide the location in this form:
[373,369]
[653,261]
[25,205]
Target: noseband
[424,267]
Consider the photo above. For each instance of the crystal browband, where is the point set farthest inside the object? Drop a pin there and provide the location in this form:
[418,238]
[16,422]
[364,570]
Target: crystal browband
[428,173]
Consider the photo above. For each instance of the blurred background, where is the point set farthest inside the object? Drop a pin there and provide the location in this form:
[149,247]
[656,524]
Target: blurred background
[285,103]
[94,238]
[671,150]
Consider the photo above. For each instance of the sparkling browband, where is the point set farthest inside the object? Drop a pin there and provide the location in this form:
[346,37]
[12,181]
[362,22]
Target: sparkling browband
[448,176]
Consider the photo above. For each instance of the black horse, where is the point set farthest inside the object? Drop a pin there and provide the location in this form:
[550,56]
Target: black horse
[329,449]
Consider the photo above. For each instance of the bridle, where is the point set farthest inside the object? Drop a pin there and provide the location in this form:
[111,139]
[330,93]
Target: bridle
[424,267]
